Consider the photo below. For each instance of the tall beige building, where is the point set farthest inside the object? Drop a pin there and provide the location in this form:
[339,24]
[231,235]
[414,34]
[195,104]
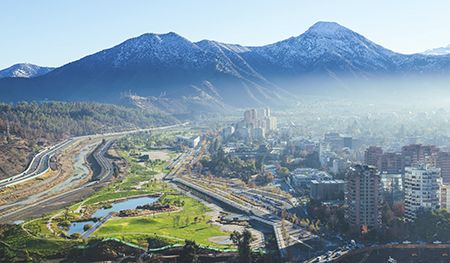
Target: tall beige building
[363,196]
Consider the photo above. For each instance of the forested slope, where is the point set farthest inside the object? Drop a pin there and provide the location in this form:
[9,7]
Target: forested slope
[27,127]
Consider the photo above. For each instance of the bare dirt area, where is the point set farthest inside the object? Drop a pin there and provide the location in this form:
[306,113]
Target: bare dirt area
[14,157]
[155,155]
[215,214]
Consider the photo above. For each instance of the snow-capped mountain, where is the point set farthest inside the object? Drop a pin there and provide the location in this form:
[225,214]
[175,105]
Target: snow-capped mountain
[438,51]
[173,69]
[327,46]
[24,70]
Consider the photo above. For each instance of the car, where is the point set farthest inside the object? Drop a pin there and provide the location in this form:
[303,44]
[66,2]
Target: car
[437,242]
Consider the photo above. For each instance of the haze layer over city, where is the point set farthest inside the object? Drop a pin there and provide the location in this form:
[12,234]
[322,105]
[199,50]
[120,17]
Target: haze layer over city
[155,131]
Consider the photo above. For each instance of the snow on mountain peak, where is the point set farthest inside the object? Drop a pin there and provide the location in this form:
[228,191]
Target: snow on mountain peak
[438,51]
[24,70]
[327,28]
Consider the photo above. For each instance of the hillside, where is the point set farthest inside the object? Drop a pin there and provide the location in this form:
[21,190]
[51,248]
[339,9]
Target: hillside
[27,127]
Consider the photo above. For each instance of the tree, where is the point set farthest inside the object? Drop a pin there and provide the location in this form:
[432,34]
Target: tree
[87,227]
[189,252]
[387,214]
[242,241]
[398,209]
[75,235]
[260,163]
[6,254]
[283,172]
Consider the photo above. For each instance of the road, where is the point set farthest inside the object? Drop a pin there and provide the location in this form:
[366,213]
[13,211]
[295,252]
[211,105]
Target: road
[38,165]
[91,230]
[41,162]
[106,169]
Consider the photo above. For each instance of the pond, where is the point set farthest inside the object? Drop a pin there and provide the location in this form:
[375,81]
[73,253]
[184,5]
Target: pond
[124,205]
[77,227]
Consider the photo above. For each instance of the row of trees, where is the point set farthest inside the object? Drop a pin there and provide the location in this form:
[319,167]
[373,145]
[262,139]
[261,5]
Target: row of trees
[430,225]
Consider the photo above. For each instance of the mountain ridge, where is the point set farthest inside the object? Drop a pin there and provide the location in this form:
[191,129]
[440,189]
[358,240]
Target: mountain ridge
[24,70]
[170,67]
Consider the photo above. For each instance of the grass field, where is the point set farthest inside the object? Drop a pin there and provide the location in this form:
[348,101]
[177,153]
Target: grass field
[189,223]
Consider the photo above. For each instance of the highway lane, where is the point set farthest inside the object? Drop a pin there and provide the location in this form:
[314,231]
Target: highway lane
[39,165]
[106,169]
[41,162]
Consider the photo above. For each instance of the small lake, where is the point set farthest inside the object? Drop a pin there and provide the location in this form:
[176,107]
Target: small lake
[124,205]
[77,227]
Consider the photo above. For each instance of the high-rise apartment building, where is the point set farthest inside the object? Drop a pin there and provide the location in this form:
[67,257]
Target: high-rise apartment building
[415,154]
[422,189]
[445,197]
[391,163]
[443,162]
[363,196]
[372,156]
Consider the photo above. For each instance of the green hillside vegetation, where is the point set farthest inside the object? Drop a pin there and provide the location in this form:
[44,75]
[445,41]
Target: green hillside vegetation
[56,119]
[26,127]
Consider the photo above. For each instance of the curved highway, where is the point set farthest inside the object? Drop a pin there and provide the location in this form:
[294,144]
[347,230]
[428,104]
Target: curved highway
[38,165]
[41,161]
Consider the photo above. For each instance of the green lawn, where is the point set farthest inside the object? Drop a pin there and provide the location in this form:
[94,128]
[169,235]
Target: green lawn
[165,225]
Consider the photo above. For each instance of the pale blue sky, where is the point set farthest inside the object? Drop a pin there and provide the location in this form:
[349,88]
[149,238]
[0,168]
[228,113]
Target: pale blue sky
[52,33]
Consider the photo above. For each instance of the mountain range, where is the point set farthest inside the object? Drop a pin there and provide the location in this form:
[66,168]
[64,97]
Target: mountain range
[171,73]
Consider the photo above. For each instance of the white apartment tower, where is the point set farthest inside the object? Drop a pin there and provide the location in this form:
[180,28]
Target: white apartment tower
[422,189]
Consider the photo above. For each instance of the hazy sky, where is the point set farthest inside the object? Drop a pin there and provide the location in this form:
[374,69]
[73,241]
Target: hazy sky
[52,33]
